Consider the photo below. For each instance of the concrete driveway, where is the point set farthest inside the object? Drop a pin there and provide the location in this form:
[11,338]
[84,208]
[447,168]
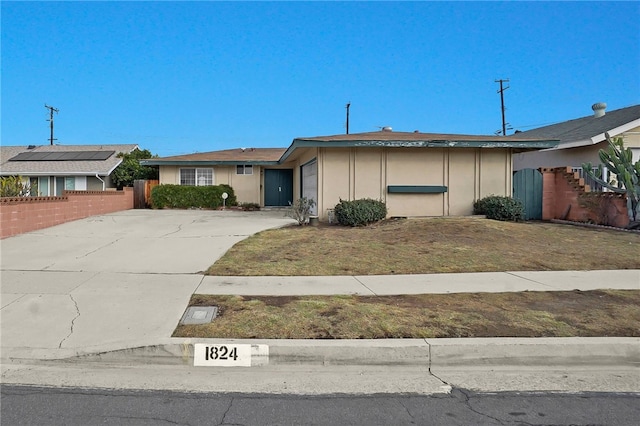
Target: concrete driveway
[111,281]
[136,241]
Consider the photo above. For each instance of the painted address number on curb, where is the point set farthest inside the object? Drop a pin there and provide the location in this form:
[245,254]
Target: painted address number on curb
[221,355]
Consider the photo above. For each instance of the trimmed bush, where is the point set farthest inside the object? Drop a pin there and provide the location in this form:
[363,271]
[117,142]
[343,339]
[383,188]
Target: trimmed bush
[185,197]
[360,212]
[500,208]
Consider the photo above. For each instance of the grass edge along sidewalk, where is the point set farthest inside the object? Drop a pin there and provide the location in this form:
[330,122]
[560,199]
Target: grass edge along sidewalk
[597,313]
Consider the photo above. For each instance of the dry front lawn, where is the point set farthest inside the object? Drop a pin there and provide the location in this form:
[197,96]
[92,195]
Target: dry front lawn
[526,314]
[415,246]
[434,245]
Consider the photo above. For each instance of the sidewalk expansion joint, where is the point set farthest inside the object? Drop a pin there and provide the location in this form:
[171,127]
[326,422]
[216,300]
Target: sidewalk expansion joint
[529,279]
[72,321]
[364,285]
[195,291]
[444,382]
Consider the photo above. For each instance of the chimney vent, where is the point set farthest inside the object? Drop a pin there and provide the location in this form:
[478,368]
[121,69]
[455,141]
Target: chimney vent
[598,109]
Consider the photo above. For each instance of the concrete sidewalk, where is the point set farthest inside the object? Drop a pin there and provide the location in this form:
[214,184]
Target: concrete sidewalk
[112,289]
[56,315]
[378,285]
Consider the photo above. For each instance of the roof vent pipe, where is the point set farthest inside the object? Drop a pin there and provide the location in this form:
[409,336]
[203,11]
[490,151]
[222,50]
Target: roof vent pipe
[598,109]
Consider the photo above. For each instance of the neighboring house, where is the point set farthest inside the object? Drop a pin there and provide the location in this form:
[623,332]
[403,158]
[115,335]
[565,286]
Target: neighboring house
[581,139]
[50,169]
[416,174]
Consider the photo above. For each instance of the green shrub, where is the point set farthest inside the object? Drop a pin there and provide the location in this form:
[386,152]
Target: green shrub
[500,208]
[184,197]
[250,206]
[360,212]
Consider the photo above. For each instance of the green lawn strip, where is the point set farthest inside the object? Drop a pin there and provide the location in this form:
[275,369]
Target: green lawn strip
[526,314]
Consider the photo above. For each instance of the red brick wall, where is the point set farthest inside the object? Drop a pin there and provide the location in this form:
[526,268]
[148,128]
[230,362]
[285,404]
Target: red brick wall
[560,192]
[24,214]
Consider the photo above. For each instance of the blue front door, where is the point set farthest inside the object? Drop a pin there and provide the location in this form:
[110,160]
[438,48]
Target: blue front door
[278,187]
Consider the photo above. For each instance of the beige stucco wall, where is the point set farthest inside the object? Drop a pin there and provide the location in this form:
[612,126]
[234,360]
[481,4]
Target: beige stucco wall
[415,167]
[495,172]
[469,174]
[573,157]
[246,187]
[169,175]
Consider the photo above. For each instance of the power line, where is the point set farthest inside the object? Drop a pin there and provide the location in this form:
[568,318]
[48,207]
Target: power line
[50,120]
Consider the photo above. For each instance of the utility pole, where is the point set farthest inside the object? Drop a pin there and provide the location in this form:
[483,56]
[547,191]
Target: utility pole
[347,107]
[50,120]
[501,91]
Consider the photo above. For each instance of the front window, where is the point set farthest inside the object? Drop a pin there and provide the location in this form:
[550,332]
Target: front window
[196,177]
[244,169]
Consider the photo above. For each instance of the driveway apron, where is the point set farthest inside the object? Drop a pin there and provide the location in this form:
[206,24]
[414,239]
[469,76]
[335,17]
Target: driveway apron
[111,281]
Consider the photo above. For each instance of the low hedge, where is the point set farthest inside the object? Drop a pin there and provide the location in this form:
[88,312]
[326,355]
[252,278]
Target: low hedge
[360,212]
[500,208]
[184,197]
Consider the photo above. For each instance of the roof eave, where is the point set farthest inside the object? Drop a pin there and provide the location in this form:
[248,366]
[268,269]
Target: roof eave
[207,163]
[524,144]
[616,131]
[26,173]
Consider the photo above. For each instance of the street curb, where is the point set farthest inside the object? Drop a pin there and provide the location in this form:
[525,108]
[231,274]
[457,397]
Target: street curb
[430,353]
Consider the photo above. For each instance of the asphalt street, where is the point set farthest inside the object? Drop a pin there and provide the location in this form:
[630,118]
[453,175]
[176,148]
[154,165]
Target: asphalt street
[76,406]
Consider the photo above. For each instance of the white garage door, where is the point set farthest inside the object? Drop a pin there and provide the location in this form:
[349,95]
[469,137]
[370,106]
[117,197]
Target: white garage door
[310,183]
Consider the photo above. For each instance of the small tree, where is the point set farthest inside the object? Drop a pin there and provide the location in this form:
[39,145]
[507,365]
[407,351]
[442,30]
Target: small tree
[300,210]
[130,169]
[619,161]
[13,186]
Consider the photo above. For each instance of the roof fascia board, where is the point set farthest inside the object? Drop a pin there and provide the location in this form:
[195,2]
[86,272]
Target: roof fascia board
[113,168]
[574,144]
[524,144]
[616,131]
[205,163]
[59,174]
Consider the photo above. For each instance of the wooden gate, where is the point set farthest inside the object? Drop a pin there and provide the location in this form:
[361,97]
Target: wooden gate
[527,187]
[142,193]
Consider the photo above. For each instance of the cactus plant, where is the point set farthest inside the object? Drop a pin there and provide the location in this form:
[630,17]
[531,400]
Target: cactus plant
[619,161]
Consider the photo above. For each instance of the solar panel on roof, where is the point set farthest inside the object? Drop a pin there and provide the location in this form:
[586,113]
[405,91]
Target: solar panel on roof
[63,156]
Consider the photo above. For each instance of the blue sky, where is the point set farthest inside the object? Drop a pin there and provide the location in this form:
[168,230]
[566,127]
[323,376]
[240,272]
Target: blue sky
[182,77]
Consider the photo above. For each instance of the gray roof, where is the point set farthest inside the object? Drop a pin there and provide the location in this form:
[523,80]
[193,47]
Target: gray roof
[61,168]
[587,130]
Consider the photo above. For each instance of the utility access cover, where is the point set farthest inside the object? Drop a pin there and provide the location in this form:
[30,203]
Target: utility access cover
[199,315]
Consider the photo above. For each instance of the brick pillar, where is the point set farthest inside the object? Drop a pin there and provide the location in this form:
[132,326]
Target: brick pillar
[548,194]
